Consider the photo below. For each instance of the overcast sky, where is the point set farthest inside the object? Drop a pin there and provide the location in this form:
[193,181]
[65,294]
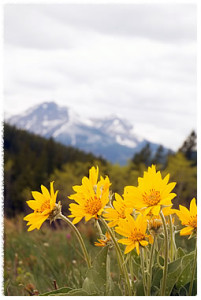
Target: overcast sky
[136,60]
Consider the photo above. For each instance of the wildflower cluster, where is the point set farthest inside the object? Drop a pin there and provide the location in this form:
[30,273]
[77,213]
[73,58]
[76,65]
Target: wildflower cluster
[136,219]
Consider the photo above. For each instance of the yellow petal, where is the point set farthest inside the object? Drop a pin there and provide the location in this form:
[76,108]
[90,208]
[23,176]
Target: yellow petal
[151,239]
[129,248]
[38,196]
[169,187]
[88,217]
[166,179]
[123,231]
[184,214]
[137,247]
[146,210]
[186,230]
[32,227]
[51,189]
[28,217]
[143,243]
[118,198]
[155,210]
[93,175]
[53,200]
[193,207]
[125,241]
[41,221]
[36,222]
[45,192]
[113,223]
[77,219]
[33,204]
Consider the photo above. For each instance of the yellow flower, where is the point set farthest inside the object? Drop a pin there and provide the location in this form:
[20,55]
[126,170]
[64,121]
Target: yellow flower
[91,197]
[120,211]
[134,231]
[44,207]
[101,242]
[152,192]
[188,218]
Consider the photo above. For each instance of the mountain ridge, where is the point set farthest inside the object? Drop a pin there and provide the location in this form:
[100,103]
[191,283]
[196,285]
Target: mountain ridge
[110,137]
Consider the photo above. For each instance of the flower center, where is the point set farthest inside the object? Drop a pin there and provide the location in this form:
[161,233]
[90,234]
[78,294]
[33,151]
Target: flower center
[152,198]
[137,236]
[193,221]
[44,206]
[93,205]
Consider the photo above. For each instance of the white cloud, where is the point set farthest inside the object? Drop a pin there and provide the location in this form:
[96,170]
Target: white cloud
[138,61]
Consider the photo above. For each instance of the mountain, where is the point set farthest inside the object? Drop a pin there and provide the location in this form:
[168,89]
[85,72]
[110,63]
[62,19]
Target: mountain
[112,137]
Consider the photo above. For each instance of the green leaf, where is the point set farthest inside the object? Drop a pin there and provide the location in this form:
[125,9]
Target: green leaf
[172,276]
[139,288]
[188,258]
[112,288]
[115,289]
[63,290]
[180,252]
[183,291]
[157,275]
[136,268]
[155,291]
[174,265]
[96,280]
[174,269]
[78,292]
[179,272]
[186,271]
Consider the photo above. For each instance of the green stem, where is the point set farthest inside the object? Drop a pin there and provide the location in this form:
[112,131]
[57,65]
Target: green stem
[163,287]
[99,229]
[150,267]
[193,270]
[79,237]
[119,254]
[131,270]
[172,240]
[142,267]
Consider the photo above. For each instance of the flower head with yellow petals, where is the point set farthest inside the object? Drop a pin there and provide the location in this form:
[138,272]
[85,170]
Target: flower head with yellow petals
[44,207]
[103,242]
[134,231]
[152,193]
[91,197]
[119,211]
[188,218]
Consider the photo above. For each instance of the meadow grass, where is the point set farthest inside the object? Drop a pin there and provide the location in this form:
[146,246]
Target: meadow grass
[43,260]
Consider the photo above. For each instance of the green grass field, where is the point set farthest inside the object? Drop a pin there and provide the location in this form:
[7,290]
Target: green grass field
[39,260]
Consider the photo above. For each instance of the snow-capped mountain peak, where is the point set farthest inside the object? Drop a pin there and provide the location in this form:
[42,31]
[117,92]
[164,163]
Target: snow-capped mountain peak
[111,137]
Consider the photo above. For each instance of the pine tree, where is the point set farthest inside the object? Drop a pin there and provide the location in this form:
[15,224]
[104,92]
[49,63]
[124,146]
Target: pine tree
[142,157]
[189,147]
